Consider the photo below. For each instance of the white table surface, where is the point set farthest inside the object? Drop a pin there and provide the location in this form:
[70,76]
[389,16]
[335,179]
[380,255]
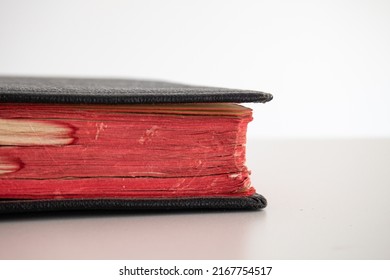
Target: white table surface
[328,199]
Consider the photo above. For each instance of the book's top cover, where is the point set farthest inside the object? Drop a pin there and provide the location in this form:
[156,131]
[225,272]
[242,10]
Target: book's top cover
[117,91]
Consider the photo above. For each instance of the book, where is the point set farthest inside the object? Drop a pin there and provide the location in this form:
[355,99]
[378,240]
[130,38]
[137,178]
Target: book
[110,144]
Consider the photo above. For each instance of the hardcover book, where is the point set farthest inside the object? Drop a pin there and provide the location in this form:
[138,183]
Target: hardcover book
[70,144]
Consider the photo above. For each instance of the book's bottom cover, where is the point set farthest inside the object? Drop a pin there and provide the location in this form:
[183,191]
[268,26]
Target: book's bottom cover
[254,202]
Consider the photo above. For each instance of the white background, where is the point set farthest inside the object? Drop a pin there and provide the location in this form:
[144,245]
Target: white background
[301,270]
[326,62]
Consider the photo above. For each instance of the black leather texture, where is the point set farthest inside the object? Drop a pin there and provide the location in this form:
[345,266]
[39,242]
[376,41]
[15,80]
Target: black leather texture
[254,202]
[117,91]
